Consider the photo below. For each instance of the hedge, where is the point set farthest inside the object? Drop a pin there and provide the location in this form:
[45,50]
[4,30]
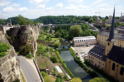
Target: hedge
[67,70]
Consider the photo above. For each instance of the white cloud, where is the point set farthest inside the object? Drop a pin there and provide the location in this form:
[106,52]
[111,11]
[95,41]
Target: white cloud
[4,3]
[82,6]
[22,9]
[75,1]
[15,5]
[96,2]
[71,6]
[103,5]
[40,6]
[59,5]
[11,9]
[8,9]
[39,1]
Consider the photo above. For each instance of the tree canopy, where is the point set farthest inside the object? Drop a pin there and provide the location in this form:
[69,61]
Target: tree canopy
[76,80]
[97,79]
[75,30]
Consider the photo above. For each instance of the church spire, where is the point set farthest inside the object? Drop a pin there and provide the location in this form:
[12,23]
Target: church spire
[111,35]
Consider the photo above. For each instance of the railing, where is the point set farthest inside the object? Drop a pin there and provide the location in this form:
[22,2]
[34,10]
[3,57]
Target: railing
[38,71]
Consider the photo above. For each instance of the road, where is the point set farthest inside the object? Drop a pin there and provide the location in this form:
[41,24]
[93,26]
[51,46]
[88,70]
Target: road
[28,71]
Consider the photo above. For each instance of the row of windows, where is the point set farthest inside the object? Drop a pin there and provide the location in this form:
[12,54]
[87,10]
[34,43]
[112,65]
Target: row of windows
[84,40]
[87,45]
[121,69]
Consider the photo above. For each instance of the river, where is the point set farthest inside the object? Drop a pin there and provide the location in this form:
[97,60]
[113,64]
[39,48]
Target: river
[76,70]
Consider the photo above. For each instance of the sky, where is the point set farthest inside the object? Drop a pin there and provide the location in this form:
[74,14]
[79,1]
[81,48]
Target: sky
[35,8]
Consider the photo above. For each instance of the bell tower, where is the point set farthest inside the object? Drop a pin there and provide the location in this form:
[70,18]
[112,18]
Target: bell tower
[110,41]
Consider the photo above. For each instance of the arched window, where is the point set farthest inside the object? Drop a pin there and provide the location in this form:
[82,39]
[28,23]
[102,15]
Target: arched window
[113,66]
[121,70]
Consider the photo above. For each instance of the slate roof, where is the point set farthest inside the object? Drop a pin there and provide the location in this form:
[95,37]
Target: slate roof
[117,54]
[98,51]
[116,36]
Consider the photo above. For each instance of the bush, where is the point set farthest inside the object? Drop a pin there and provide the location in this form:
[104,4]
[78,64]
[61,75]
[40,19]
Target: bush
[43,74]
[29,55]
[57,44]
[3,49]
[65,77]
[59,76]
[59,80]
[53,59]
[24,50]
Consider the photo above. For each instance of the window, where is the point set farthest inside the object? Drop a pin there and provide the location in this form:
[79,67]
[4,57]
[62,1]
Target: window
[121,70]
[113,66]
[108,43]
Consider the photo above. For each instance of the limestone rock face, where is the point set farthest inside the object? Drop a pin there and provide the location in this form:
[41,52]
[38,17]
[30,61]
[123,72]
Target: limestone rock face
[29,35]
[24,35]
[9,66]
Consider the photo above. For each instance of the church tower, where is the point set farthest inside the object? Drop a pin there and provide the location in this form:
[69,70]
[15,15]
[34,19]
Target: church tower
[110,41]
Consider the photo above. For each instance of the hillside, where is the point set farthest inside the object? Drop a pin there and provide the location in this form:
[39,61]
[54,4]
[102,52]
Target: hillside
[14,20]
[61,19]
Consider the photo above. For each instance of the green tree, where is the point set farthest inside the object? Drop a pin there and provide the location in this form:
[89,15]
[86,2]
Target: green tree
[97,79]
[90,20]
[49,79]
[59,80]
[76,80]
[58,34]
[57,44]
[22,20]
[75,30]
[2,21]
[53,59]
[24,50]
[50,30]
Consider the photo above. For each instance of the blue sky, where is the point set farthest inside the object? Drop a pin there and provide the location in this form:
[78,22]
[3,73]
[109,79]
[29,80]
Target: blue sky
[36,8]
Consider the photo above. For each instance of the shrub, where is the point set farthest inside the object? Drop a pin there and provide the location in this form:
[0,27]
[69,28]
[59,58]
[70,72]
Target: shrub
[59,80]
[3,49]
[53,59]
[24,50]
[65,77]
[29,55]
[43,74]
[59,76]
[57,44]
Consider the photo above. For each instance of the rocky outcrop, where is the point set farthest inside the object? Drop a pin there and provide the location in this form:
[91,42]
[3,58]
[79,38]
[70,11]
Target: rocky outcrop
[24,35]
[9,65]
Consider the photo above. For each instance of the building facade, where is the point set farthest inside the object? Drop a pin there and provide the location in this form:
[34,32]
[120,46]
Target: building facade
[84,41]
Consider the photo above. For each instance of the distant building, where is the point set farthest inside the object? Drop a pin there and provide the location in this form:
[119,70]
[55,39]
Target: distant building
[122,19]
[99,22]
[109,21]
[84,41]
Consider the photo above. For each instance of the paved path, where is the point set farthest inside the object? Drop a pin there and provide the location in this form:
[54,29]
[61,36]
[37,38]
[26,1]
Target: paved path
[28,71]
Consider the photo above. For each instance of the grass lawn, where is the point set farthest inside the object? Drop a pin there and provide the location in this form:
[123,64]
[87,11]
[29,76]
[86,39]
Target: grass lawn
[108,24]
[42,37]
[53,39]
[43,65]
